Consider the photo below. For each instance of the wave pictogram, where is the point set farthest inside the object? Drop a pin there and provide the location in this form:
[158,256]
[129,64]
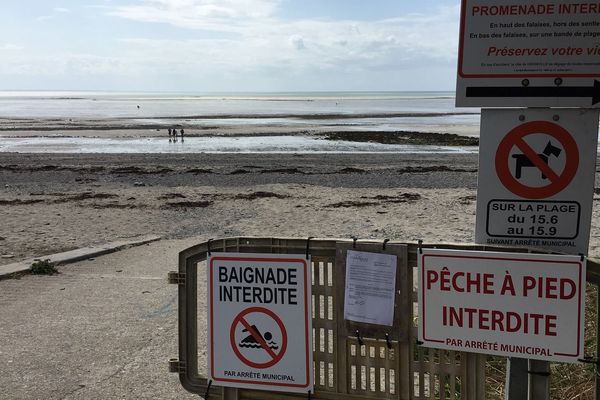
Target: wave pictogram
[250,341]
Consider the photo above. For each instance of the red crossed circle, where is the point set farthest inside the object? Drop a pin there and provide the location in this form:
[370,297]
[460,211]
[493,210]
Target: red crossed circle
[275,357]
[557,181]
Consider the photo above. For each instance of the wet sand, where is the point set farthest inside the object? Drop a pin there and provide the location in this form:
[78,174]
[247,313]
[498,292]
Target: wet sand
[243,125]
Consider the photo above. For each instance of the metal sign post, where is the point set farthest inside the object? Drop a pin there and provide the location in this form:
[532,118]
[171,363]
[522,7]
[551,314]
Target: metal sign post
[515,53]
[516,381]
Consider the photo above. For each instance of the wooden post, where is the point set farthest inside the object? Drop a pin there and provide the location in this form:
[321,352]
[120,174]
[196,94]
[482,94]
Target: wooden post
[596,377]
[230,393]
[539,380]
[516,379]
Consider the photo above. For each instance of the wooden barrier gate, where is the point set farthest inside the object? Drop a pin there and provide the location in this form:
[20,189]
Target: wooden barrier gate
[348,364]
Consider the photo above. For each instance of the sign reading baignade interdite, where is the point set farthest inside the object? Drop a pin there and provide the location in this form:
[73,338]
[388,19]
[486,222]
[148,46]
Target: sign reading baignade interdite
[259,321]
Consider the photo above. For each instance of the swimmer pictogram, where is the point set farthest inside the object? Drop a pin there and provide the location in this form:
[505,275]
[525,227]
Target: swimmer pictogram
[250,345]
[251,341]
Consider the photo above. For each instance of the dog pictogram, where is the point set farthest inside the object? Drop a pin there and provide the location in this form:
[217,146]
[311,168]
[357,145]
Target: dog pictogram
[556,178]
[523,161]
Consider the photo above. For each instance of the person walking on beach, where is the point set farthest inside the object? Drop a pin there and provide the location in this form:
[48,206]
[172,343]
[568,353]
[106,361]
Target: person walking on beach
[174,135]
[181,131]
[169,135]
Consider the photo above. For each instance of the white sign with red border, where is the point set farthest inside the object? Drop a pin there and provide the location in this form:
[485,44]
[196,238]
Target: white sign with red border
[515,53]
[536,178]
[508,304]
[259,321]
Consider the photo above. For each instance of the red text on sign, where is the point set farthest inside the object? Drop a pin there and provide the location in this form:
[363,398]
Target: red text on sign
[535,9]
[514,9]
[501,321]
[461,282]
[549,287]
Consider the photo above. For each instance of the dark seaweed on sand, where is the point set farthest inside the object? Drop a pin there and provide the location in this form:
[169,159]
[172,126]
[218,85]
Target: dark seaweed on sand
[405,137]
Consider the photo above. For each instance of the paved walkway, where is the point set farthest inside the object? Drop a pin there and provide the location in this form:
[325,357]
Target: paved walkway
[102,329]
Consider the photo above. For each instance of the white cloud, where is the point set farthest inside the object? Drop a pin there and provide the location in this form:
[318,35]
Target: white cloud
[262,46]
[67,65]
[10,47]
[218,15]
[56,11]
[44,17]
[265,40]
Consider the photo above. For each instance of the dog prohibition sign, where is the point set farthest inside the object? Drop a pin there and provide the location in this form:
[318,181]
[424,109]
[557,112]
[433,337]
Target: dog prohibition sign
[559,143]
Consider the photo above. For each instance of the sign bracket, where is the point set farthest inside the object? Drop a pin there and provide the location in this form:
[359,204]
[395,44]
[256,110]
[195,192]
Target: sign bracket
[176,278]
[208,389]
[177,367]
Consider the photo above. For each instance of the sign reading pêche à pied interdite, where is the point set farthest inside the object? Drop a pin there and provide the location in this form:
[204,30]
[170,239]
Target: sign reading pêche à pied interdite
[507,304]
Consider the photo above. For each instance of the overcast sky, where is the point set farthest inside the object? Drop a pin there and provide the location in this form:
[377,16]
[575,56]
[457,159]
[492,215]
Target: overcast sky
[228,45]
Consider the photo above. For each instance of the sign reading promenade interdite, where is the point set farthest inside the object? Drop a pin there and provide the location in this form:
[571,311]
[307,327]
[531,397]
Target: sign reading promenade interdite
[515,53]
[259,321]
[508,304]
[536,178]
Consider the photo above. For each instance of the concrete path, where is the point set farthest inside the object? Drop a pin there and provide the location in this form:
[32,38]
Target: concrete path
[102,329]
[77,255]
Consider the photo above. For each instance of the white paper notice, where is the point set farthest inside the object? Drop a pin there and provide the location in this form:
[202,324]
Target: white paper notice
[370,287]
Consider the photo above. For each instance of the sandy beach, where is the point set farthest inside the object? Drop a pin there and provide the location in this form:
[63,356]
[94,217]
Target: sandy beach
[53,202]
[105,327]
[133,132]
[314,166]
[72,183]
[230,124]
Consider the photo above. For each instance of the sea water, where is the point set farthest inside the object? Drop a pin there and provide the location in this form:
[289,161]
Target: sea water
[258,144]
[341,111]
[118,105]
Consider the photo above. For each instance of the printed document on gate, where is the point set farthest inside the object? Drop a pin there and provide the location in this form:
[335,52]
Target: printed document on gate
[370,286]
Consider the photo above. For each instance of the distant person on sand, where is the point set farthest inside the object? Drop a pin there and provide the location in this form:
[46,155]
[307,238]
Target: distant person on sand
[181,131]
[174,135]
[169,135]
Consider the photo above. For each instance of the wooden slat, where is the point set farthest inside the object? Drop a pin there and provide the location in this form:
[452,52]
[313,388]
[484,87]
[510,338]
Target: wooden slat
[397,369]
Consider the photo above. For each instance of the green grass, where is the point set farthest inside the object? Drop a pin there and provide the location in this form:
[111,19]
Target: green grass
[44,267]
[567,381]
